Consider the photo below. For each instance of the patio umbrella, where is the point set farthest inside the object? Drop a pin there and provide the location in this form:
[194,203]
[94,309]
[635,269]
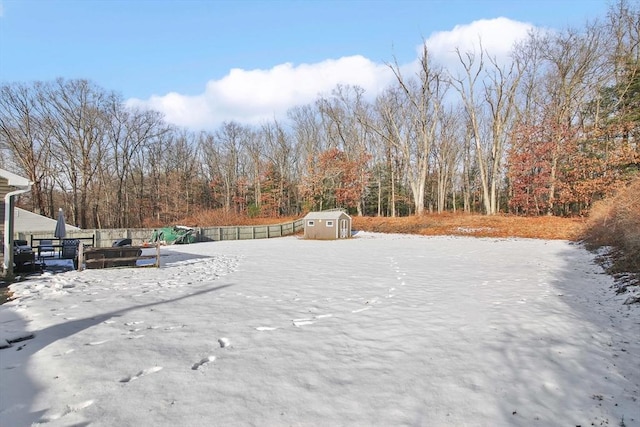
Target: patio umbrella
[61,228]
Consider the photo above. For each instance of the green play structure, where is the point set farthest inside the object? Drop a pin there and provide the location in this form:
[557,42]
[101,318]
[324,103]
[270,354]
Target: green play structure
[177,234]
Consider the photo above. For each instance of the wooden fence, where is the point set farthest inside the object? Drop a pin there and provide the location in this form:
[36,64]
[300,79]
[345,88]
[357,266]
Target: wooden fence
[250,232]
[139,236]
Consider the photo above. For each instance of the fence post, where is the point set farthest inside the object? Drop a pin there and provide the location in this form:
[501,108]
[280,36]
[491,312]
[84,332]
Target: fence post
[80,255]
[158,254]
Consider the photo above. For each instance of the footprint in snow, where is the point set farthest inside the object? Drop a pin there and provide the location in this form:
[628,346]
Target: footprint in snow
[135,337]
[203,362]
[96,342]
[141,374]
[302,322]
[68,410]
[64,353]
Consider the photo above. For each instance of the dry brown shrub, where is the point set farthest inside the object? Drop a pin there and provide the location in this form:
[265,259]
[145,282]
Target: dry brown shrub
[547,227]
[615,222]
[221,218]
[475,225]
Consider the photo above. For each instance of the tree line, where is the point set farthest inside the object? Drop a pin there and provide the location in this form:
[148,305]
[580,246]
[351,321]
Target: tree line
[550,131]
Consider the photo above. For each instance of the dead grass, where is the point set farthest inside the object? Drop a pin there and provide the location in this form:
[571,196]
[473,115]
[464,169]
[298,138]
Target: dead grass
[5,295]
[615,222]
[221,218]
[426,225]
[547,227]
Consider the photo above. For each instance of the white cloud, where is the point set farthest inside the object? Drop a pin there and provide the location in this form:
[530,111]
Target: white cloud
[497,37]
[255,96]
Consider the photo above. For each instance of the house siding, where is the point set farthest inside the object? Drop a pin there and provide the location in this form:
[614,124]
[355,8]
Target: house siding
[4,189]
[9,183]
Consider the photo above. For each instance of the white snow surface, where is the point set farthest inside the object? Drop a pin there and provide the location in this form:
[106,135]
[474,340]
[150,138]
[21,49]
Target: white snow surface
[378,330]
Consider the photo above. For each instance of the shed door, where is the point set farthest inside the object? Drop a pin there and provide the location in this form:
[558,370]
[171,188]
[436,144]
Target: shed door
[344,228]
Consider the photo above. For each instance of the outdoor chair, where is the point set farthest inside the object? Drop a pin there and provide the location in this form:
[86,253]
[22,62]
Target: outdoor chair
[46,246]
[70,250]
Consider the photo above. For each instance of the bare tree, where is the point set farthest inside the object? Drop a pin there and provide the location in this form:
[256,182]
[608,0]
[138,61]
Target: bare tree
[255,146]
[74,113]
[281,153]
[308,139]
[423,97]
[129,131]
[26,139]
[488,92]
[226,158]
[570,73]
[344,119]
[446,153]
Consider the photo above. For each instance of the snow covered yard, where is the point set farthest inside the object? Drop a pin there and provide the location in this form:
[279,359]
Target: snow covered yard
[379,330]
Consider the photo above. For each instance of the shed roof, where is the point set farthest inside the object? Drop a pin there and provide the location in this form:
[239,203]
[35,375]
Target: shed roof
[325,215]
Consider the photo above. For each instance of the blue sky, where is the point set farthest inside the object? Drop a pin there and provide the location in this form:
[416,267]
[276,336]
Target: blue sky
[178,56]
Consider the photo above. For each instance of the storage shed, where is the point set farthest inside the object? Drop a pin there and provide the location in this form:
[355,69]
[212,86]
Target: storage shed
[327,225]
